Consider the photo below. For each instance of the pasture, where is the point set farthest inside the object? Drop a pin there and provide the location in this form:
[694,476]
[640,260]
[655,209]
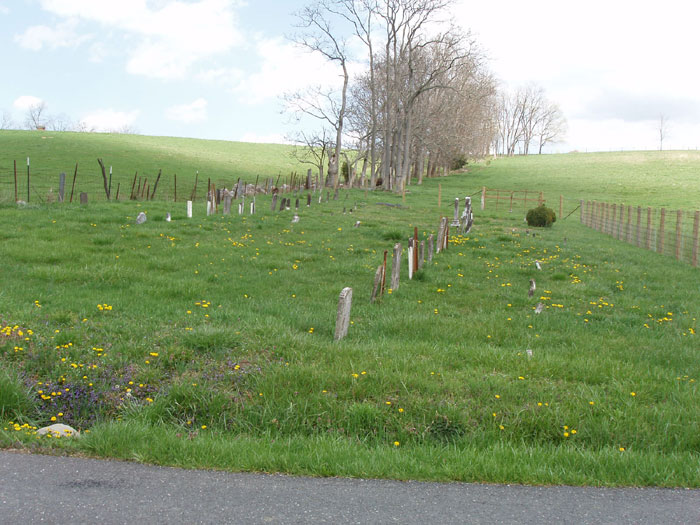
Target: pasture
[208,342]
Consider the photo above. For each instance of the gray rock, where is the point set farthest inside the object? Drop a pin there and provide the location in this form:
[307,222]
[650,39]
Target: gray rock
[59,429]
[141,218]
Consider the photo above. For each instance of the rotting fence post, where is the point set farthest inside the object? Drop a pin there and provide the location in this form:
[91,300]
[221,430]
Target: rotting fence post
[648,241]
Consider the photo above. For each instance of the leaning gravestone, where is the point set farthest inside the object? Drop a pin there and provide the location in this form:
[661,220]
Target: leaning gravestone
[83,197]
[141,218]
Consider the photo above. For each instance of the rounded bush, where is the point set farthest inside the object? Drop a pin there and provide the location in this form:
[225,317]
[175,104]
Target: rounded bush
[541,216]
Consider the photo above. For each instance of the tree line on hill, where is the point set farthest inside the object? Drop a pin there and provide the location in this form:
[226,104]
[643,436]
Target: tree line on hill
[423,101]
[36,117]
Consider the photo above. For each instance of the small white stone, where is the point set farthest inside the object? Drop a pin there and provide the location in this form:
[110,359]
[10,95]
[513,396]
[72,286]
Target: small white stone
[59,429]
[141,218]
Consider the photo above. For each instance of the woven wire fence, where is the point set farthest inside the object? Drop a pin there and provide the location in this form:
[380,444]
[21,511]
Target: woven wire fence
[671,232]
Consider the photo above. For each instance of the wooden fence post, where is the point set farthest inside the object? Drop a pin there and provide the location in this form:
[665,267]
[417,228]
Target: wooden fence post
[613,216]
[581,212]
[648,243]
[696,229]
[606,209]
[396,267]
[342,320]
[629,224]
[662,231]
[620,223]
[679,223]
[639,226]
[594,215]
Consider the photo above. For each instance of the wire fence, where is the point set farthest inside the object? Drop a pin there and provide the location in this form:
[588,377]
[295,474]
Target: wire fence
[21,181]
[671,232]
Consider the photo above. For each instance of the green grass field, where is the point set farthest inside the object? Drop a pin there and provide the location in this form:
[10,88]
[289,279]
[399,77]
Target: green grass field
[209,342]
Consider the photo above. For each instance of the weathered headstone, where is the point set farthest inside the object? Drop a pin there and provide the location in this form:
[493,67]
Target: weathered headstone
[252,207]
[467,218]
[308,200]
[240,208]
[455,217]
[141,218]
[539,308]
[296,206]
[421,254]
[532,289]
[410,257]
[273,206]
[61,186]
[431,247]
[342,321]
[189,209]
[227,202]
[168,218]
[396,267]
[283,203]
[377,287]
[83,197]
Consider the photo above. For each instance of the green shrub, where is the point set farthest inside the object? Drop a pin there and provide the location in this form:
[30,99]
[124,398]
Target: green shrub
[541,216]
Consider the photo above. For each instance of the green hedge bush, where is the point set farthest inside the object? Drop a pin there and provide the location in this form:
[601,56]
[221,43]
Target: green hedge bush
[541,216]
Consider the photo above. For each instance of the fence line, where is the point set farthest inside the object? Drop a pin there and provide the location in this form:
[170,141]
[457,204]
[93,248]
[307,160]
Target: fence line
[670,232]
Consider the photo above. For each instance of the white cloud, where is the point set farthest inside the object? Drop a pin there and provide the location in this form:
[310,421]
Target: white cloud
[170,36]
[229,76]
[64,34]
[108,120]
[269,138]
[188,113]
[284,68]
[4,10]
[26,101]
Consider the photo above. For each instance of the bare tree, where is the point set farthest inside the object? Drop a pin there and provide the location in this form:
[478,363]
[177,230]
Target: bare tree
[6,121]
[662,127]
[36,117]
[525,115]
[313,148]
[61,122]
[321,34]
[551,125]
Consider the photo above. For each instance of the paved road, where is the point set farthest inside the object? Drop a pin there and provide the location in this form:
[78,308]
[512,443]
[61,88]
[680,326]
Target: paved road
[65,490]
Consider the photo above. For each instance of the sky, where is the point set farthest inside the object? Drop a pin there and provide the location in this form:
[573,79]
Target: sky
[217,69]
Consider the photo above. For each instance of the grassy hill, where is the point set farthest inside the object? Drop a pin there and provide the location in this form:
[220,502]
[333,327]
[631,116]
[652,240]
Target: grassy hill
[209,342]
[51,153]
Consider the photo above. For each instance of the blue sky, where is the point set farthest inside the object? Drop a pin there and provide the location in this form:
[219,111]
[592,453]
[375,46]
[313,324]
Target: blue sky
[217,68]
